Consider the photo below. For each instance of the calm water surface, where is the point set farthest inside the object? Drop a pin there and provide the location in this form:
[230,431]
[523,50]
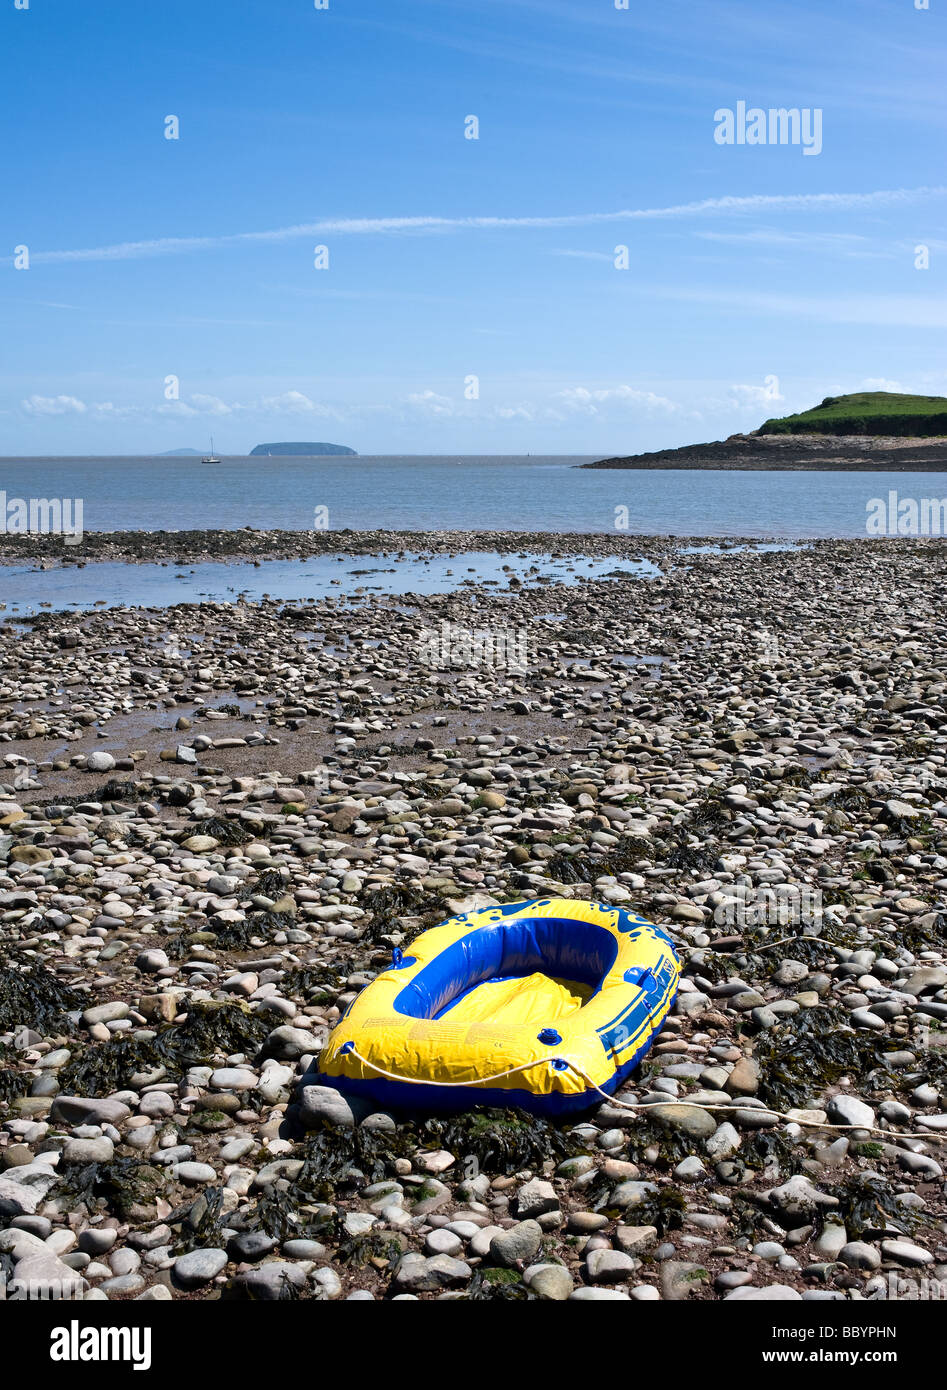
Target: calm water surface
[455,493]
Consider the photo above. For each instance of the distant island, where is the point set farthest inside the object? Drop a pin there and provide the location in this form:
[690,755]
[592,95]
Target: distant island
[297,450]
[868,431]
[180,454]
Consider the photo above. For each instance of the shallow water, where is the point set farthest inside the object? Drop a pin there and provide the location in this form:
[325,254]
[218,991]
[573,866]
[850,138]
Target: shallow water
[27,590]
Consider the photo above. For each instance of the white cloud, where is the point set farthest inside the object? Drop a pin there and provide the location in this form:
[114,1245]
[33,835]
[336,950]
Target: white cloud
[211,405]
[587,255]
[189,408]
[878,383]
[890,310]
[579,399]
[756,395]
[355,226]
[54,405]
[432,403]
[293,403]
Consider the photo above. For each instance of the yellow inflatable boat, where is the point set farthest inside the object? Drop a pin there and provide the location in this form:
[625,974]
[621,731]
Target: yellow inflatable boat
[545,1004]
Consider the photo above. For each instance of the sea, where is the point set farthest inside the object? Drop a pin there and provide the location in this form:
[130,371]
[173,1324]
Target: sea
[453,492]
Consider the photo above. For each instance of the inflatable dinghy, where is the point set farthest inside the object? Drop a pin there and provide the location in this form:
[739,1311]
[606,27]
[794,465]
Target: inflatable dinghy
[545,1004]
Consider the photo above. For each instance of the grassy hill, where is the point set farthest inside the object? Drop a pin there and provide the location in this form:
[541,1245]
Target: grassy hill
[868,412]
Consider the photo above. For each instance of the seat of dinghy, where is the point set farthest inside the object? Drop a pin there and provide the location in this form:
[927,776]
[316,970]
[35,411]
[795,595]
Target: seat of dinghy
[524,970]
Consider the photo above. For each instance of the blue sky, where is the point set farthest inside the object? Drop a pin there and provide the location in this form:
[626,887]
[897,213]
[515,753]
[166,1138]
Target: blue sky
[759,278]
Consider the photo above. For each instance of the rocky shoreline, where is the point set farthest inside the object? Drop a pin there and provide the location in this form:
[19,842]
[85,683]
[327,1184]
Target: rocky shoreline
[249,544]
[217,821]
[820,452]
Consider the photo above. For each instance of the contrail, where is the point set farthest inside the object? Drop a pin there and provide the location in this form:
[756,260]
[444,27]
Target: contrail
[362,226]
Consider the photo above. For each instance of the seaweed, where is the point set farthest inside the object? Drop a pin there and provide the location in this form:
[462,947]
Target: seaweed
[270,883]
[289,1215]
[31,996]
[379,1248]
[119,1186]
[370,751]
[107,1067]
[756,956]
[664,1209]
[867,1203]
[503,1141]
[13,1083]
[110,791]
[672,1144]
[847,798]
[710,811]
[333,1159]
[915,938]
[769,1148]
[503,1285]
[225,832]
[316,983]
[398,900]
[202,1222]
[586,868]
[237,936]
[931,1063]
[114,790]
[679,854]
[337,1157]
[745,1218]
[802,1057]
[179,946]
[210,1029]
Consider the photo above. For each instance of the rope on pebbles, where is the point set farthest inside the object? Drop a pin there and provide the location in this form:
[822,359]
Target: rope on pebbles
[636,1106]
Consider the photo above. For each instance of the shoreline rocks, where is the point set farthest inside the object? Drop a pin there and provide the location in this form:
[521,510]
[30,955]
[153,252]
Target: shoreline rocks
[749,748]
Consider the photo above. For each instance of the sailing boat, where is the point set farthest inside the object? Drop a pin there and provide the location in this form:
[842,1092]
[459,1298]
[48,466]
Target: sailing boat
[211,457]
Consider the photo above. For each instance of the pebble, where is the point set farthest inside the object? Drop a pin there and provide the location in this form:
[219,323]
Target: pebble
[199,1267]
[693,779]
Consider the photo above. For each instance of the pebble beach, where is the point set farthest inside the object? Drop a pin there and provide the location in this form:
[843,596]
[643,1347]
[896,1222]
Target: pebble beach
[218,819]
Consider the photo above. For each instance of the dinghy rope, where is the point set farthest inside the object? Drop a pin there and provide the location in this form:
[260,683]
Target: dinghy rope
[349,1049]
